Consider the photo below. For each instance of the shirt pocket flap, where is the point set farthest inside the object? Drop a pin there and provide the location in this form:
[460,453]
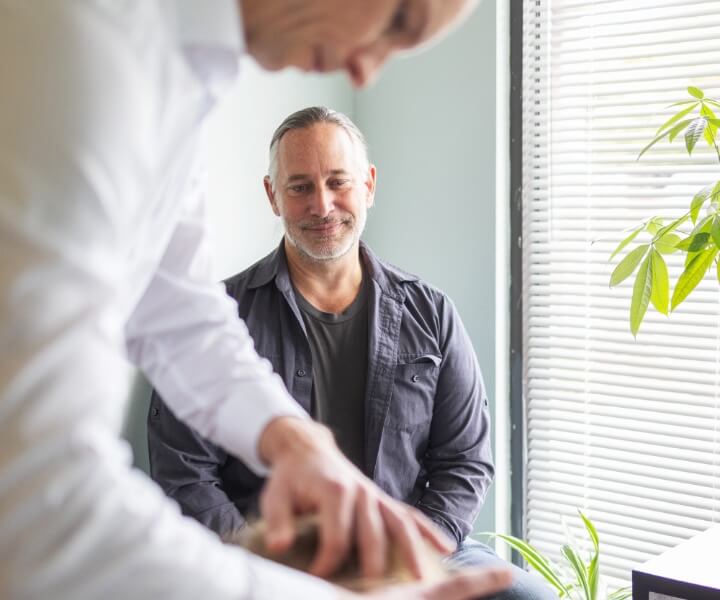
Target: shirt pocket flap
[418,359]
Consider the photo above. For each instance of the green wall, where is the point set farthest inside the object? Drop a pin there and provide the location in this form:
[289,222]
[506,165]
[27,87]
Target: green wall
[430,125]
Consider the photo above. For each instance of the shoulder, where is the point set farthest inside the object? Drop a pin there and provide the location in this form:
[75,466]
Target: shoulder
[256,275]
[416,289]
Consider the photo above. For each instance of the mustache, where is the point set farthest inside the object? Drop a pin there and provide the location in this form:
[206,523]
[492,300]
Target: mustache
[325,221]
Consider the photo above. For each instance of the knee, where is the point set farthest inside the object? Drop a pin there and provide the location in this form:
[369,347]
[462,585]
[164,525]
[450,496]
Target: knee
[527,586]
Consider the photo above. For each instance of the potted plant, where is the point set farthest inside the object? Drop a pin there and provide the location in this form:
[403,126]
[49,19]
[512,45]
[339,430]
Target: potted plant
[695,119]
[578,578]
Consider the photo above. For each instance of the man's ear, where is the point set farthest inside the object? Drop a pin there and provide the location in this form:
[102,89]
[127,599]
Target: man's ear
[370,184]
[271,195]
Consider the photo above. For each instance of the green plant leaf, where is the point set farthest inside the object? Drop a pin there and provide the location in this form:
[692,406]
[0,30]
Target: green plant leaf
[672,226]
[699,241]
[706,111]
[626,241]
[684,244]
[671,133]
[694,132]
[641,295]
[654,225]
[593,568]
[715,230]
[703,226]
[667,243]
[676,117]
[683,102]
[621,594]
[696,92]
[710,132]
[535,559]
[578,566]
[627,265]
[697,202]
[689,257]
[715,194]
[660,295]
[692,275]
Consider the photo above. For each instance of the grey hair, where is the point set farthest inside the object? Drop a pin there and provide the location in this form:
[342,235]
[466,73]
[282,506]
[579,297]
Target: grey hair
[308,117]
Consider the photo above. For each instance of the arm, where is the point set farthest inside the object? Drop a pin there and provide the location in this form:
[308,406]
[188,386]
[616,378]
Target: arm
[459,458]
[187,338]
[188,468]
[75,521]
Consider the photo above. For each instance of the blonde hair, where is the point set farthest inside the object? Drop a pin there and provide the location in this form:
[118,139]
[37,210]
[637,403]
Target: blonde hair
[349,576]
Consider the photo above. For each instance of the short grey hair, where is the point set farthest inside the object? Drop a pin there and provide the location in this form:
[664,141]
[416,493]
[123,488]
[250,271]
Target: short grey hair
[307,117]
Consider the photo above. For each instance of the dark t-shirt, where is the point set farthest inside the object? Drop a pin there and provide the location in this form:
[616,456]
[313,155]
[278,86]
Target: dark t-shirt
[339,347]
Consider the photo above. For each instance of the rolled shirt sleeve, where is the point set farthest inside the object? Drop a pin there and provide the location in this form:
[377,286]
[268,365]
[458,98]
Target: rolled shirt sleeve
[186,336]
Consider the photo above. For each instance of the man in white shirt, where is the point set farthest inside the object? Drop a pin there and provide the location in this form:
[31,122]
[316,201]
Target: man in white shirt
[103,257]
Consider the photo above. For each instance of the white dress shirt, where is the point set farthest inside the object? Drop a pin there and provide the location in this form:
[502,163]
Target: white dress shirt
[104,257]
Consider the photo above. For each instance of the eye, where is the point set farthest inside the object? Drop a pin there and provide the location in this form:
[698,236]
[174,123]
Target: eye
[299,188]
[337,183]
[407,24]
[399,22]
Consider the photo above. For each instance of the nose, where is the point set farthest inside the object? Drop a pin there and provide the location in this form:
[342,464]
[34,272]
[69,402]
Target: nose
[363,65]
[322,202]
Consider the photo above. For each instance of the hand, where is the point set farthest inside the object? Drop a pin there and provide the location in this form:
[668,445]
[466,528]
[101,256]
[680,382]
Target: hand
[310,475]
[465,585]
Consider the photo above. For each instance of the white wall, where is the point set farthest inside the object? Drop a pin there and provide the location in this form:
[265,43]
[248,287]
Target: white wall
[238,135]
[430,125]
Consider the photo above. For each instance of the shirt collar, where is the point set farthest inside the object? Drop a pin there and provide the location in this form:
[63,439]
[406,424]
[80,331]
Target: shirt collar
[274,267]
[211,36]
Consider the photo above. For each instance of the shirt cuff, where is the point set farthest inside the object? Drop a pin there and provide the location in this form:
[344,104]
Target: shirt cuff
[239,425]
[270,581]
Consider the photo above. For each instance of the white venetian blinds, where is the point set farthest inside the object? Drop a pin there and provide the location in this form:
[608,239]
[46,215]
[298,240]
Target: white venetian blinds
[626,429]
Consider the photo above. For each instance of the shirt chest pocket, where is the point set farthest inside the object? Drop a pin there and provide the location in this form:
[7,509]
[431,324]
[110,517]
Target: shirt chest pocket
[413,396]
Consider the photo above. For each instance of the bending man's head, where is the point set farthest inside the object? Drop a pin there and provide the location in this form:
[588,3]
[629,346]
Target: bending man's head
[320,182]
[356,36]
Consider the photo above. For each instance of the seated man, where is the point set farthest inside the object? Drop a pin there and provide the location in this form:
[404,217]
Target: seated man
[376,354]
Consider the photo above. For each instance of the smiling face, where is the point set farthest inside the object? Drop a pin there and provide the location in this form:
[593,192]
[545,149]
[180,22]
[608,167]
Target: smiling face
[322,191]
[357,36]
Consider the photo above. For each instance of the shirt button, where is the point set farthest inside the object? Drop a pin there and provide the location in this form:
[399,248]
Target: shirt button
[415,378]
[155,411]
[301,372]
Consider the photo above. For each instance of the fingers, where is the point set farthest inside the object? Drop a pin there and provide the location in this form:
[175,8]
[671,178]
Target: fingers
[335,522]
[371,539]
[407,538]
[432,533]
[469,585]
[276,507]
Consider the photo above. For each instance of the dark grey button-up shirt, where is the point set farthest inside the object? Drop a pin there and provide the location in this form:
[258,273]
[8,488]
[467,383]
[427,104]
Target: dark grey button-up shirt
[427,423]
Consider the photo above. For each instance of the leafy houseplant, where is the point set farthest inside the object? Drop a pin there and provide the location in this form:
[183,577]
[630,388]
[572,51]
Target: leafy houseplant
[577,580]
[696,119]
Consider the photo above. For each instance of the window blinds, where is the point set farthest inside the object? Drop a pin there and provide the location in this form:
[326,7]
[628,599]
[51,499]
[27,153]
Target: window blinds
[626,429]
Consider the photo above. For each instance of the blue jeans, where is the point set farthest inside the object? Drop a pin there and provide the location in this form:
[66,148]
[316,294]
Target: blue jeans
[525,586]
